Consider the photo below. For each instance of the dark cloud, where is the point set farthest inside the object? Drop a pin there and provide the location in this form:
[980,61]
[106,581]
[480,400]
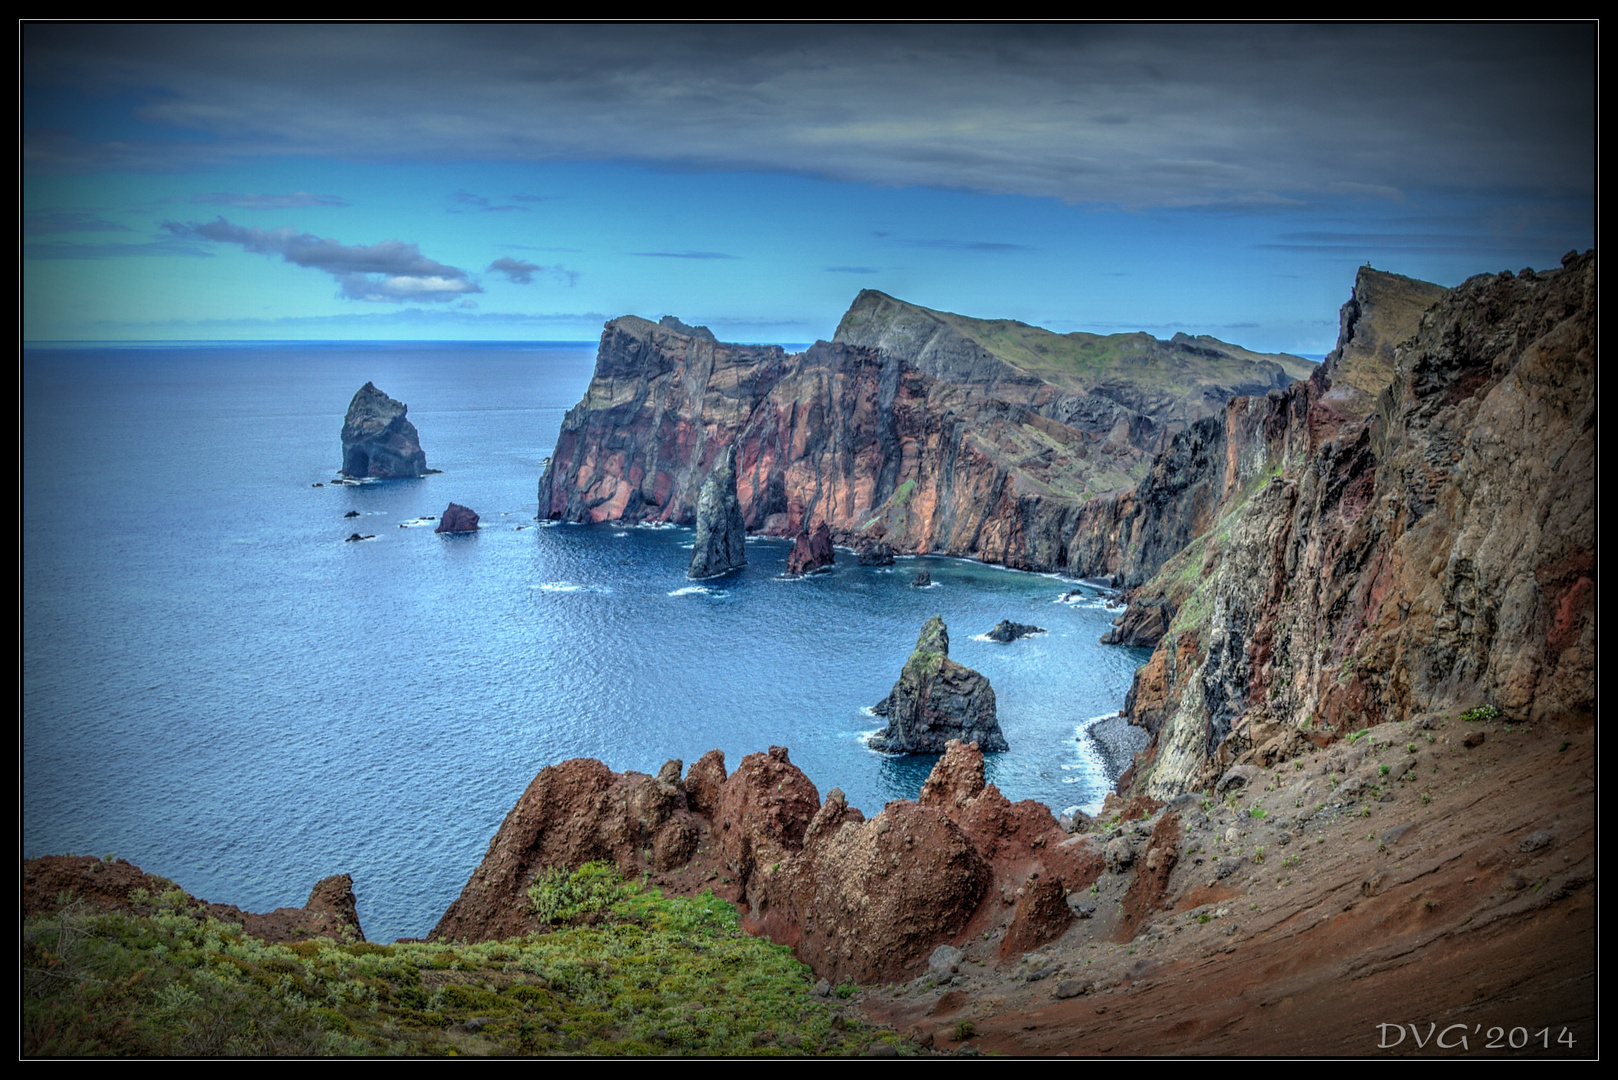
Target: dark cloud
[389,272]
[40,222]
[684,255]
[250,200]
[1248,116]
[521,272]
[536,198]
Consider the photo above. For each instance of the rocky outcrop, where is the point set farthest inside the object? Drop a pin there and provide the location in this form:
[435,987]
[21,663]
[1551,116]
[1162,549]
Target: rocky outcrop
[571,814]
[876,553]
[458,519]
[1006,630]
[857,899]
[921,580]
[811,552]
[1424,549]
[721,544]
[117,885]
[930,440]
[936,700]
[377,439]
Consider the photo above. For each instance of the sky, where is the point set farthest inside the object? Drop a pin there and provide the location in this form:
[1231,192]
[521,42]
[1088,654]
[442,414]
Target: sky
[529,182]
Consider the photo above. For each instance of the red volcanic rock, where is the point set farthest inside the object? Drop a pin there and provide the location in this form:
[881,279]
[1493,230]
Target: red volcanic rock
[571,814]
[1001,830]
[1150,884]
[811,551]
[111,886]
[1041,915]
[764,809]
[458,519]
[868,901]
[704,781]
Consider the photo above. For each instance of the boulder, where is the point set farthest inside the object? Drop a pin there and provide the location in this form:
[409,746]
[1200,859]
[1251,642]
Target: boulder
[811,552]
[922,580]
[458,519]
[877,553]
[936,700]
[721,536]
[1006,630]
[377,439]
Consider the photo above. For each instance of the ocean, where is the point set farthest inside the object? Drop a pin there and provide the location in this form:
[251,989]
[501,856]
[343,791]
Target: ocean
[222,690]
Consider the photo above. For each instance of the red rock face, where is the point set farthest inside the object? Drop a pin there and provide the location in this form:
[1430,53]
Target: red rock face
[764,809]
[870,446]
[573,813]
[1380,553]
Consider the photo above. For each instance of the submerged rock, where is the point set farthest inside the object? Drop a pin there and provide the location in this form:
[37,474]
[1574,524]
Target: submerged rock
[457,519]
[377,439]
[721,536]
[936,700]
[811,552]
[1006,630]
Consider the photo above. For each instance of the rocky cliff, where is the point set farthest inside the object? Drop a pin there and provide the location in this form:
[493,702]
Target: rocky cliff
[1366,557]
[377,439]
[927,431]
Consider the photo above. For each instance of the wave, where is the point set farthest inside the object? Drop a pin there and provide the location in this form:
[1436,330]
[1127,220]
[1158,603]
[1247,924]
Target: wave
[655,525]
[699,590]
[571,587]
[620,534]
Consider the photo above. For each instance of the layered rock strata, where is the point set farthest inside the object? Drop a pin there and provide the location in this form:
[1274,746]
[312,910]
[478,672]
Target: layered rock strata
[909,428]
[721,544]
[1428,548]
[377,439]
[937,700]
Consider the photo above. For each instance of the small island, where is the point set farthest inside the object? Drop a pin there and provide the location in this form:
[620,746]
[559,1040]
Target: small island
[936,700]
[378,441]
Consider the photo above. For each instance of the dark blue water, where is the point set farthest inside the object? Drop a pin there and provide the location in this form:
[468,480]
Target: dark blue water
[220,689]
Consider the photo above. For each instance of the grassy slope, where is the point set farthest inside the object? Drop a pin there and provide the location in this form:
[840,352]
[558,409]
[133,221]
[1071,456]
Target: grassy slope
[1079,361]
[638,974]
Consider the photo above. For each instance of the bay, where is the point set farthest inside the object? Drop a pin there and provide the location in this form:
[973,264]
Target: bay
[219,688]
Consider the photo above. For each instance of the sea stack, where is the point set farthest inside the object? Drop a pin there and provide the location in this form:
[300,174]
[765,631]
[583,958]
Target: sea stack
[458,519]
[377,439]
[936,700]
[721,535]
[811,551]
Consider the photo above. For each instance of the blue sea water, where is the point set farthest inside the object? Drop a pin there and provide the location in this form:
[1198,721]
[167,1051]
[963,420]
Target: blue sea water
[219,688]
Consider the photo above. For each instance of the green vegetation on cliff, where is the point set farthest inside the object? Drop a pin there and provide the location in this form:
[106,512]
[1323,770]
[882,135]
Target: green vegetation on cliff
[636,973]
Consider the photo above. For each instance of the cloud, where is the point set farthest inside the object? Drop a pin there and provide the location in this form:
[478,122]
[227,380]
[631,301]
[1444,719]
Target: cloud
[521,272]
[389,272]
[1237,115]
[853,270]
[464,202]
[165,247]
[38,222]
[953,245]
[684,255]
[249,200]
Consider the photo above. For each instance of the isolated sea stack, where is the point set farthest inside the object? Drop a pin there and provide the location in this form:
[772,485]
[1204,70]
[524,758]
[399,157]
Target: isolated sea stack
[936,700]
[377,439]
[458,519]
[721,536]
[811,551]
